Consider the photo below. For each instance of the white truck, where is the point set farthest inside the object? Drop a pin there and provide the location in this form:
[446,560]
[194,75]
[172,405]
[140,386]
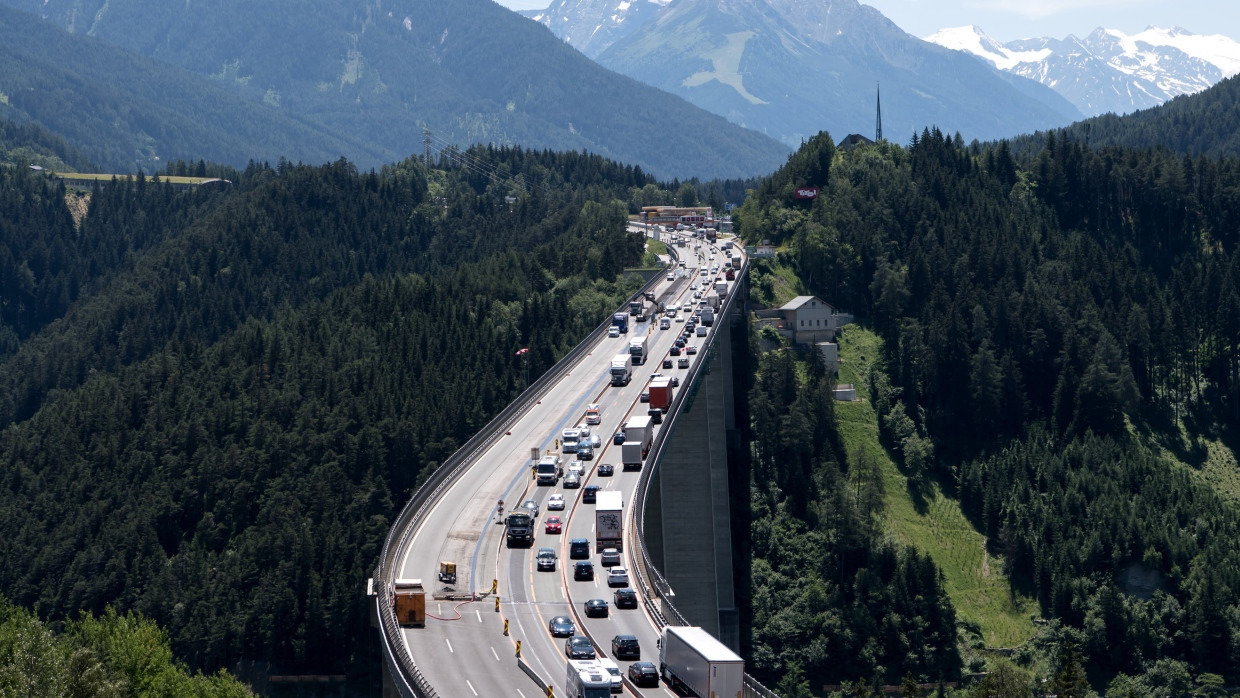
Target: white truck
[637,350]
[548,469]
[569,439]
[693,659]
[638,437]
[587,679]
[608,520]
[721,287]
[621,369]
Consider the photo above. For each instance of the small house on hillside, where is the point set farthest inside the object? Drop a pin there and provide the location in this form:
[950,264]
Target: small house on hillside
[811,319]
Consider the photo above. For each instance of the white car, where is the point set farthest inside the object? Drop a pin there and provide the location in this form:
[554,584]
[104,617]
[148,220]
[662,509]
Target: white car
[617,577]
[555,502]
[576,466]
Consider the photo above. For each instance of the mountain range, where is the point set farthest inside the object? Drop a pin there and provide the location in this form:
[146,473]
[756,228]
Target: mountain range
[791,68]
[1108,71]
[357,79]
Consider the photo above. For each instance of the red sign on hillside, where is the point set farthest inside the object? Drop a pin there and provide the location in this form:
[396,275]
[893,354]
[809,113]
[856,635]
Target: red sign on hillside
[806,192]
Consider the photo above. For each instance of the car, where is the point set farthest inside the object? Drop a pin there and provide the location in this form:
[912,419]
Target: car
[613,670]
[576,466]
[697,295]
[645,396]
[626,598]
[578,549]
[616,577]
[590,494]
[554,524]
[561,626]
[555,502]
[531,505]
[585,451]
[546,560]
[583,571]
[595,441]
[701,331]
[682,362]
[613,331]
[671,276]
[675,381]
[680,318]
[691,349]
[618,438]
[572,481]
[693,287]
[596,608]
[667,363]
[610,558]
[643,674]
[675,352]
[579,647]
[606,469]
[623,646]
[680,343]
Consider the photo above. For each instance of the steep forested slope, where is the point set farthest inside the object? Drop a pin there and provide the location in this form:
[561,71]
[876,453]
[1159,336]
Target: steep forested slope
[1044,321]
[216,429]
[1206,123]
[126,112]
[375,73]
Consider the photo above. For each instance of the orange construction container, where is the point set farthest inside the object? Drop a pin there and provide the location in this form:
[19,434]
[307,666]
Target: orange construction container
[410,602]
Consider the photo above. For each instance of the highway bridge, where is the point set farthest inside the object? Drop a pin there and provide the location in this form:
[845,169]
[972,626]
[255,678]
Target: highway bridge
[677,542]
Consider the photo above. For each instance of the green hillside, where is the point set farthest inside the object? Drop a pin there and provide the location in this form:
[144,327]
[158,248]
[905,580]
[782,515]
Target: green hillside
[126,113]
[1049,392]
[376,74]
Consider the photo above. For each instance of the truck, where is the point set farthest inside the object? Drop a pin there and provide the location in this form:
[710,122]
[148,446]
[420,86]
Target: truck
[736,260]
[637,350]
[587,679]
[693,659]
[547,469]
[729,274]
[621,369]
[721,287]
[638,437]
[569,438]
[637,307]
[519,527]
[661,393]
[621,322]
[708,316]
[608,520]
[594,413]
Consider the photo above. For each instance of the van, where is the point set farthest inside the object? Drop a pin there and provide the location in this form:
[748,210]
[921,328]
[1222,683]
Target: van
[579,549]
[702,272]
[593,414]
[664,323]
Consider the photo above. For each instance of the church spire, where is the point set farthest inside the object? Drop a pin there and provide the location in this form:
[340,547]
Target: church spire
[878,122]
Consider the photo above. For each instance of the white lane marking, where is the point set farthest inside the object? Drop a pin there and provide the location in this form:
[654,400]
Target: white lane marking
[479,612]
[520,693]
[449,645]
[471,687]
[495,653]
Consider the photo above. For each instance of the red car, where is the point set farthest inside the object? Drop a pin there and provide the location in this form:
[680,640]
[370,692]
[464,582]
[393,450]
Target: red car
[554,524]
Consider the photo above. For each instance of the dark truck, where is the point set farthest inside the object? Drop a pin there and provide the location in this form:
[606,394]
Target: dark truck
[520,527]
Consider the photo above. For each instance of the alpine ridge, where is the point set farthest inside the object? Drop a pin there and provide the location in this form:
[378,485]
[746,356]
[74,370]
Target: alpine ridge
[790,68]
[1108,70]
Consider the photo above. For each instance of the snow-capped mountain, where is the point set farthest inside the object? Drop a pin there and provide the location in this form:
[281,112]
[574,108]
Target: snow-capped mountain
[1108,71]
[792,68]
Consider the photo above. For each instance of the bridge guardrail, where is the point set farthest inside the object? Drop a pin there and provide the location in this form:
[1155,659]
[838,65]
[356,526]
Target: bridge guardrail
[403,670]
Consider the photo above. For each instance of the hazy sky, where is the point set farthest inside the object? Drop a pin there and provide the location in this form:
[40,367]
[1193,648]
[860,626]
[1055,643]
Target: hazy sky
[1005,20]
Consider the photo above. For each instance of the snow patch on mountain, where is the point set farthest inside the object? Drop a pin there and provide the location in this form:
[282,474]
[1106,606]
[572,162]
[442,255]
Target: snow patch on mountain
[1108,70]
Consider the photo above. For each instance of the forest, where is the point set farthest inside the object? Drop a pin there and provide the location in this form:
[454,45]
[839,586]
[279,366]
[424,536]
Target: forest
[1061,351]
[214,399]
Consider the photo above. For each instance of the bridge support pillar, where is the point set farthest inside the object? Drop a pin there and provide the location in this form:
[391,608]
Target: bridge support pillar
[688,520]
